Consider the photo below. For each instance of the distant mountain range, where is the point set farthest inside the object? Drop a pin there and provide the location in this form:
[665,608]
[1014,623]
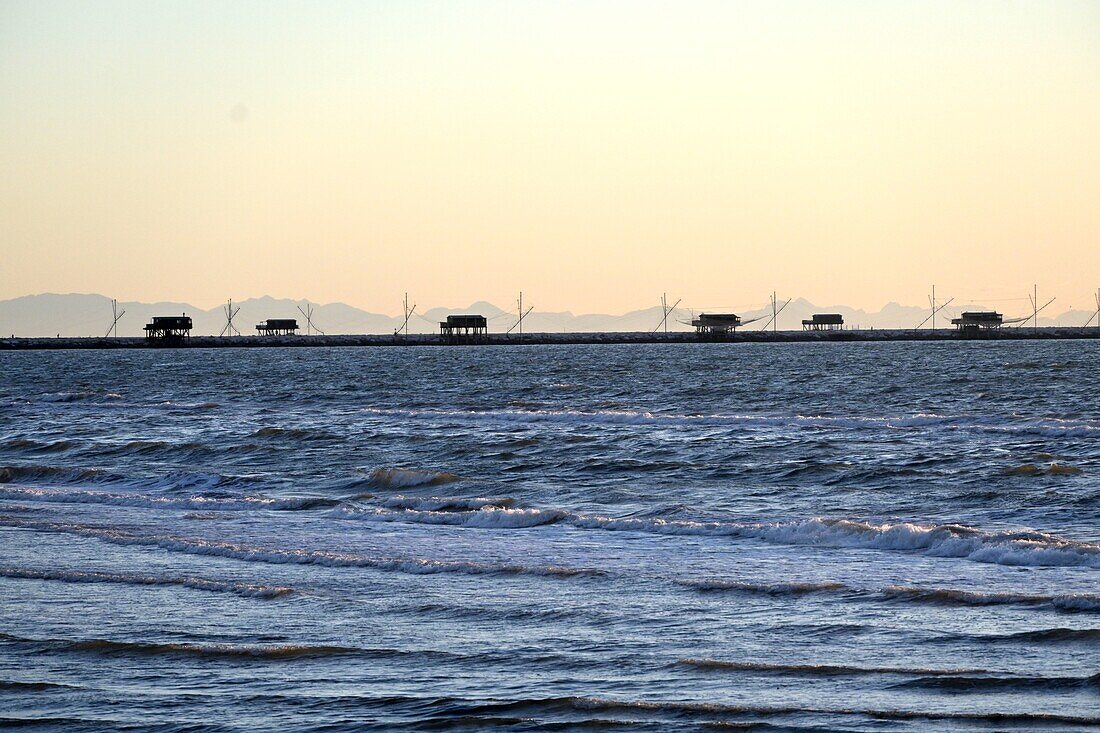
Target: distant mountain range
[90,315]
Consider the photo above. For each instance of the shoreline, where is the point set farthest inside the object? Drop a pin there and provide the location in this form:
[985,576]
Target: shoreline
[549,339]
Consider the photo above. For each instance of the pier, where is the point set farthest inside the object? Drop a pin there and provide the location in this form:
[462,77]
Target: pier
[558,339]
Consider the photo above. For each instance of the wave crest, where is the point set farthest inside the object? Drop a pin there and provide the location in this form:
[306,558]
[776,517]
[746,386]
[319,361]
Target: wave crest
[397,478]
[197,501]
[280,556]
[249,590]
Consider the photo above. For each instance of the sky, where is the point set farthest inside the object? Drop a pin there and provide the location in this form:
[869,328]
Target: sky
[592,154]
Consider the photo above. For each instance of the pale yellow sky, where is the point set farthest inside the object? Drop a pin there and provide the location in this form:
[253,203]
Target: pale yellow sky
[592,154]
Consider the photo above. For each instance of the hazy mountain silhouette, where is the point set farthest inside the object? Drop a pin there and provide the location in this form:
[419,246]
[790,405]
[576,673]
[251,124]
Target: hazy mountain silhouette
[90,315]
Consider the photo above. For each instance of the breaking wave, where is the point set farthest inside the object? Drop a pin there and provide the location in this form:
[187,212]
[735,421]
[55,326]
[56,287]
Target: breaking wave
[943,540]
[486,517]
[447,503]
[1013,548]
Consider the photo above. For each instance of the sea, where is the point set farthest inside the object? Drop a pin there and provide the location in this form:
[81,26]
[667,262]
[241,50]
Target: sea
[767,537]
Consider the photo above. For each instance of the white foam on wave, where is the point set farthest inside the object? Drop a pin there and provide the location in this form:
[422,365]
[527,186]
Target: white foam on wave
[936,540]
[447,503]
[1077,602]
[84,396]
[944,540]
[486,517]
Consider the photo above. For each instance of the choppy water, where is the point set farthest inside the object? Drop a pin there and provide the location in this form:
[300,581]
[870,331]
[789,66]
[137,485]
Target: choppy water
[861,537]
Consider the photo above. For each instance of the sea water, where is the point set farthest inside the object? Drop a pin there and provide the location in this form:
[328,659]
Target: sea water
[863,537]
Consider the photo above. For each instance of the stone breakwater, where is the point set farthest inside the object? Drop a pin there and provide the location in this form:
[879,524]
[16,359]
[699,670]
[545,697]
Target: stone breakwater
[496,339]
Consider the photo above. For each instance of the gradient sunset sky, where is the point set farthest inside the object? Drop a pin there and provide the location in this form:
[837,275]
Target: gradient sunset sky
[593,154]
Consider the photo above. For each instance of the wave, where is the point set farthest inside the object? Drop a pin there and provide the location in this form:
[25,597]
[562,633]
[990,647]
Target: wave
[1054,469]
[27,445]
[1021,548]
[225,651]
[710,711]
[153,448]
[1047,427]
[1070,602]
[20,686]
[1054,636]
[446,503]
[951,597]
[80,396]
[485,517]
[281,556]
[769,589]
[819,670]
[397,478]
[249,590]
[942,540]
[958,684]
[55,474]
[197,501]
[67,475]
[296,434]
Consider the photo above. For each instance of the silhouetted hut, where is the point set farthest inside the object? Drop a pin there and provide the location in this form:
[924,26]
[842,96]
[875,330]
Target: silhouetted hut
[464,327]
[824,322]
[716,324]
[277,327]
[971,324]
[168,330]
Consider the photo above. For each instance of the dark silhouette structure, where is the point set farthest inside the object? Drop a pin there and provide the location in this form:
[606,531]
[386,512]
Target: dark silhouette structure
[824,322]
[169,330]
[464,328]
[277,327]
[716,324]
[973,323]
